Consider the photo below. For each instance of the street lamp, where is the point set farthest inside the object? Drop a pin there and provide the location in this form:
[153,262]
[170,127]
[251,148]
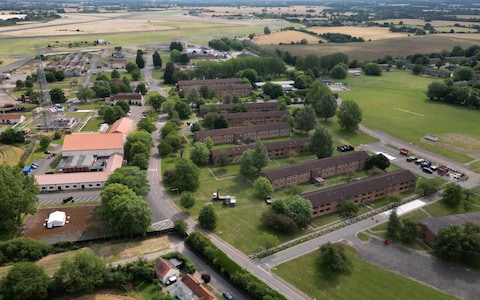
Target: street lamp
[173,190]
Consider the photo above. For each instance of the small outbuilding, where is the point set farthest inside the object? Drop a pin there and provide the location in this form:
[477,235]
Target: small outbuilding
[56,219]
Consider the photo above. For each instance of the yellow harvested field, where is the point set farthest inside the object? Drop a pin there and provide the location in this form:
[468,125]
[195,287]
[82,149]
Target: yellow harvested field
[419,22]
[104,296]
[10,155]
[284,37]
[367,33]
[300,9]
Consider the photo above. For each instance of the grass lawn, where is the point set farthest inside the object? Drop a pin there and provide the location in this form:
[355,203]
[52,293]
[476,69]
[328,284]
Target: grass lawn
[397,104]
[439,208]
[93,124]
[365,281]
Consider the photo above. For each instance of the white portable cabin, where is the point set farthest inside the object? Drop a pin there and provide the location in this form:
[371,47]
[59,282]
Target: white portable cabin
[56,219]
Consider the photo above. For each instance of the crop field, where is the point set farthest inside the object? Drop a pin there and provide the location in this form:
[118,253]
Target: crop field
[293,9]
[367,33]
[284,37]
[420,22]
[365,281]
[396,103]
[10,155]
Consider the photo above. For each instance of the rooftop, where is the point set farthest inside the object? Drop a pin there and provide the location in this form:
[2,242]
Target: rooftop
[244,129]
[123,125]
[435,224]
[74,178]
[92,141]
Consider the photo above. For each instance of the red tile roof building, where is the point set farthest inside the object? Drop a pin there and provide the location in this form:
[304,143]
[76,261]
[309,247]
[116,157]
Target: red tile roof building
[275,149]
[100,144]
[11,119]
[327,200]
[165,269]
[239,135]
[197,288]
[316,169]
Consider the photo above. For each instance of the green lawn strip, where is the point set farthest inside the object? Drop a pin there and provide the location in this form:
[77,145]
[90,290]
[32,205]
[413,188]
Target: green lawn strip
[439,208]
[364,281]
[93,124]
[396,104]
[363,237]
[476,166]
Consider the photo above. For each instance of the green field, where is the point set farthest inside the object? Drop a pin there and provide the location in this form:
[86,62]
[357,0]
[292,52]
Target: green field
[364,281]
[396,103]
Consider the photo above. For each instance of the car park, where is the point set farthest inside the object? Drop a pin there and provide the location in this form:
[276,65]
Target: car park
[345,148]
[68,199]
[227,295]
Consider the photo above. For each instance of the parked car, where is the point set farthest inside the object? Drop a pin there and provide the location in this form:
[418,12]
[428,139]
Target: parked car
[427,170]
[425,164]
[227,295]
[171,280]
[48,152]
[35,166]
[419,161]
[411,158]
[268,199]
[68,199]
[345,148]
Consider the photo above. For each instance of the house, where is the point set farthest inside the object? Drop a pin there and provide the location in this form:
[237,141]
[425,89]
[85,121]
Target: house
[327,200]
[274,149]
[250,106]
[164,269]
[222,87]
[132,98]
[255,118]
[122,125]
[315,170]
[239,135]
[189,288]
[431,226]
[11,119]
[71,181]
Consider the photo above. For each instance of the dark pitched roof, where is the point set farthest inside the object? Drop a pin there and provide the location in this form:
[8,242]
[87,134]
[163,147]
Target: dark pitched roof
[237,150]
[435,224]
[207,81]
[127,96]
[163,266]
[307,166]
[232,130]
[248,105]
[352,189]
[256,114]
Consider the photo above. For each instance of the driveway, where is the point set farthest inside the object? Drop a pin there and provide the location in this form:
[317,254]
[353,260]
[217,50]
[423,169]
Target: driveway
[420,266]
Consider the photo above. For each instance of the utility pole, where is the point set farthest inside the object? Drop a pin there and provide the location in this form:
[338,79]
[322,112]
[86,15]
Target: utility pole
[44,100]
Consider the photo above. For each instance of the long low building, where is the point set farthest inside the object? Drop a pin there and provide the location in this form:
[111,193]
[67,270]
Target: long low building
[315,170]
[240,135]
[250,106]
[255,118]
[222,87]
[274,149]
[327,200]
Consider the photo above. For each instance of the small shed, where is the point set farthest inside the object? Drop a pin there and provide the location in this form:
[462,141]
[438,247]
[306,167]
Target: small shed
[56,219]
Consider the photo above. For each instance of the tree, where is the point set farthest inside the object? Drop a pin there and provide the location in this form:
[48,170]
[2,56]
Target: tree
[181,227]
[321,142]
[157,60]
[184,59]
[11,136]
[130,67]
[168,75]
[84,272]
[128,216]
[261,156]
[417,69]
[57,135]
[207,217]
[247,164]
[45,142]
[450,242]
[19,84]
[333,258]
[266,30]
[273,90]
[124,105]
[85,93]
[339,71]
[143,137]
[349,115]
[147,125]
[112,114]
[379,160]
[223,158]
[18,197]
[140,160]
[409,230]
[305,118]
[268,240]
[115,74]
[349,208]
[452,195]
[141,88]
[132,177]
[263,187]
[193,96]
[463,73]
[183,109]
[59,75]
[428,186]
[394,225]
[295,207]
[187,200]
[25,281]
[322,100]
[139,59]
[206,277]
[57,95]
[176,45]
[372,69]
[186,176]
[199,154]
[208,141]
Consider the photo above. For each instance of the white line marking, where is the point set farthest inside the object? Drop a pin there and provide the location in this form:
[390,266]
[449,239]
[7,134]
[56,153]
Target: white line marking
[410,112]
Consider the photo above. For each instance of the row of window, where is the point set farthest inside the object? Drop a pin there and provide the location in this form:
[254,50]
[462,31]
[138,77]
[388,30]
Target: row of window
[91,185]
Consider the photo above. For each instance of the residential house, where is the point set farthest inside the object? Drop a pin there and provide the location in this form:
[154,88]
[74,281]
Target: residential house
[122,125]
[190,288]
[255,118]
[239,135]
[222,87]
[274,149]
[164,269]
[315,170]
[11,119]
[327,200]
[132,98]
[431,226]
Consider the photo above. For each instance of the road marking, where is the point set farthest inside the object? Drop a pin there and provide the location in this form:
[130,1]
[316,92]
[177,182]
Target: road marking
[410,112]
[152,170]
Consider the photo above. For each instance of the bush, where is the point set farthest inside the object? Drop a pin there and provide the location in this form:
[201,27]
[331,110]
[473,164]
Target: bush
[23,249]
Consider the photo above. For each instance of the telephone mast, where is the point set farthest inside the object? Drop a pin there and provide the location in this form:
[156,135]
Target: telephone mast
[43,93]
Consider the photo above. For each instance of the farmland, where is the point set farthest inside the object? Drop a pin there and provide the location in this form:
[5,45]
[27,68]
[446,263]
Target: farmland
[10,155]
[284,37]
[367,33]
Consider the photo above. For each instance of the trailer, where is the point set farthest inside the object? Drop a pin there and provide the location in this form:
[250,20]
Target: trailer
[227,200]
[405,152]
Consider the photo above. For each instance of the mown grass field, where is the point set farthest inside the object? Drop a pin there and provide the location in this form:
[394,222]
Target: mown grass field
[364,281]
[284,37]
[396,103]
